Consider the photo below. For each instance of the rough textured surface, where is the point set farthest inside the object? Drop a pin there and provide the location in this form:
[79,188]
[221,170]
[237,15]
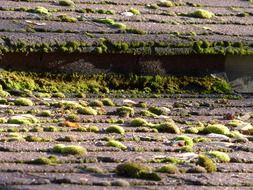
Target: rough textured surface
[154,29]
[96,169]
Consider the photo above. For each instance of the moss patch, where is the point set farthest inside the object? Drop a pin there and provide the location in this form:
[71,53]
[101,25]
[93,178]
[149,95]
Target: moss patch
[117,144]
[207,163]
[115,129]
[136,170]
[69,149]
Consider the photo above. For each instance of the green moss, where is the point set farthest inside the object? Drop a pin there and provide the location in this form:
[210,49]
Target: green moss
[138,122]
[73,117]
[23,102]
[207,163]
[136,170]
[156,110]
[93,128]
[117,144]
[41,10]
[166,3]
[25,119]
[115,129]
[66,18]
[4,93]
[51,160]
[45,113]
[87,111]
[58,95]
[219,156]
[107,102]
[95,169]
[200,13]
[96,103]
[169,168]
[187,140]
[125,111]
[135,11]
[66,3]
[168,127]
[216,128]
[51,129]
[69,149]
[30,138]
[172,160]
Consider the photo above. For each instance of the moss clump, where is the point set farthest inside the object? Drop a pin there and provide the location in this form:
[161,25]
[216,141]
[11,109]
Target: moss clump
[136,170]
[23,102]
[45,113]
[93,129]
[58,95]
[169,168]
[135,11]
[187,140]
[200,13]
[138,122]
[66,3]
[87,111]
[219,156]
[41,10]
[25,119]
[168,127]
[4,93]
[69,149]
[117,144]
[115,129]
[66,18]
[147,113]
[96,103]
[125,111]
[216,128]
[51,160]
[156,110]
[107,102]
[51,129]
[95,169]
[166,3]
[207,163]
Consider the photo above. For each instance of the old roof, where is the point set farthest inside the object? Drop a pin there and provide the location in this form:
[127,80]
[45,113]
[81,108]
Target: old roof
[136,27]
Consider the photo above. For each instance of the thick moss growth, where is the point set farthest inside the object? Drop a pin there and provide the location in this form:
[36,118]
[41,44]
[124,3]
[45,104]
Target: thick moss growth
[207,163]
[200,13]
[41,10]
[136,170]
[23,102]
[187,140]
[25,119]
[138,122]
[69,149]
[117,144]
[169,168]
[168,127]
[73,83]
[125,111]
[216,128]
[156,110]
[66,3]
[87,111]
[51,160]
[107,102]
[115,129]
[219,156]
